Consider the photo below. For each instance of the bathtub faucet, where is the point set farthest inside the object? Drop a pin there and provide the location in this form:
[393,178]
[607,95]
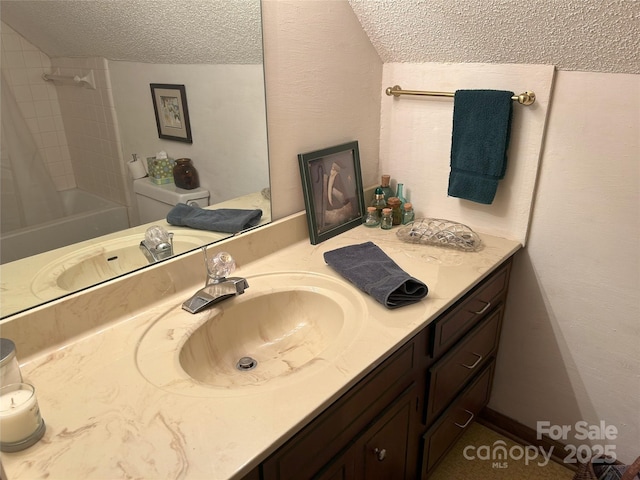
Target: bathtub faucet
[157,244]
[217,286]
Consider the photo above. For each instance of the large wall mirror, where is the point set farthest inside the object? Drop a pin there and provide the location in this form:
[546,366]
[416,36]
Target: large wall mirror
[70,216]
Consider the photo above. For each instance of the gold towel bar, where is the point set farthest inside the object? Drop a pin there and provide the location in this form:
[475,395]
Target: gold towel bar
[526,98]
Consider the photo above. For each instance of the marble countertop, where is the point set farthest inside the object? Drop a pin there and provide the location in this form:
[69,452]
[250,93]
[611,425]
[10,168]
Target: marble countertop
[106,420]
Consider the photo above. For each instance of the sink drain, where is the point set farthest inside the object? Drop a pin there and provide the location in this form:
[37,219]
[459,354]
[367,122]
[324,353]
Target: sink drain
[246,363]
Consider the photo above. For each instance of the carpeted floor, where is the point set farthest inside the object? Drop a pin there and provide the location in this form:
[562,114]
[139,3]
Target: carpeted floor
[470,459]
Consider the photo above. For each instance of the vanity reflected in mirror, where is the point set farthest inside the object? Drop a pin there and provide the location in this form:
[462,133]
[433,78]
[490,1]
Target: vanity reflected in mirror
[69,215]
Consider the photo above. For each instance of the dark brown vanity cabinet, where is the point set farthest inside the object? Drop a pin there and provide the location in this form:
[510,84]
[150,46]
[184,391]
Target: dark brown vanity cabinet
[404,416]
[372,427]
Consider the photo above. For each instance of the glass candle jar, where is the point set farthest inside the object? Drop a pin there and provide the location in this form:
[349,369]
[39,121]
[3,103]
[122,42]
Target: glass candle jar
[9,368]
[21,424]
[185,174]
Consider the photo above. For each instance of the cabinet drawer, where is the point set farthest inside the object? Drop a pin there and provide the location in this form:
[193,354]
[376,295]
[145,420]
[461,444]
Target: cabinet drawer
[447,377]
[470,310]
[445,432]
[312,448]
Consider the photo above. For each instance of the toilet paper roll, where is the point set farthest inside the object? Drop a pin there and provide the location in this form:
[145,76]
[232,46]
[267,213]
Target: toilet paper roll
[137,170]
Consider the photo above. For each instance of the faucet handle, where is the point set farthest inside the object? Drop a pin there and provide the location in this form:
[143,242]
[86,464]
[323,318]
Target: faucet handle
[156,235]
[219,266]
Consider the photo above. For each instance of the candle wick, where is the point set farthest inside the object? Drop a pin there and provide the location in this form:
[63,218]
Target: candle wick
[13,403]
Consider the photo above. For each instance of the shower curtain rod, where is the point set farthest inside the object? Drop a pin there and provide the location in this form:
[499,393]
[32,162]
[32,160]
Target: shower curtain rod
[87,81]
[526,98]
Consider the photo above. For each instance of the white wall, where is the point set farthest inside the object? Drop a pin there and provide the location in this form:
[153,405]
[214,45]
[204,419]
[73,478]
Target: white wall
[569,348]
[227,117]
[323,89]
[415,141]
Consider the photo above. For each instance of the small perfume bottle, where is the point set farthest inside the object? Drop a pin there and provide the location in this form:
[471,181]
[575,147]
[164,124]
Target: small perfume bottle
[386,222]
[408,215]
[371,219]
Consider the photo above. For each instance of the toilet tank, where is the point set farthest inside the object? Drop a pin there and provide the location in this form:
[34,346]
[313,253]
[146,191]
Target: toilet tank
[155,201]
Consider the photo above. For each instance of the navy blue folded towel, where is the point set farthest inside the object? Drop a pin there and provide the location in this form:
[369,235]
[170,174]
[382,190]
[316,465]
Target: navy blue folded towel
[227,220]
[370,269]
[480,139]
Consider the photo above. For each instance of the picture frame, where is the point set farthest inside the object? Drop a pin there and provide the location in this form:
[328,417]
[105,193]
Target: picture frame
[332,188]
[172,114]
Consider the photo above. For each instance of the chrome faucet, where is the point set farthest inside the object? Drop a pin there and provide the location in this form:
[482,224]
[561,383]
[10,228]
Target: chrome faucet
[217,286]
[157,244]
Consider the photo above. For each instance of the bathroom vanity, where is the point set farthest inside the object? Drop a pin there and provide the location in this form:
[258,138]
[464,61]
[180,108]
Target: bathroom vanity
[412,408]
[390,396]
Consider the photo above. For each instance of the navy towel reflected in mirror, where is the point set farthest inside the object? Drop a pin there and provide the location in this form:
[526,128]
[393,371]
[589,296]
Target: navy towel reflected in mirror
[227,220]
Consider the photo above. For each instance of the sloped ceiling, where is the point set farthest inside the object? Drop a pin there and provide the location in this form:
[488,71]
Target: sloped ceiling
[152,31]
[586,35]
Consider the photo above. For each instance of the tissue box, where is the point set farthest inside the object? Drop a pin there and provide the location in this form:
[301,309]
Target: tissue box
[160,170]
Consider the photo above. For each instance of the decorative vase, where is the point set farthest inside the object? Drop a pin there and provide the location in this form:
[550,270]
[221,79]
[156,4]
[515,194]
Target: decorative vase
[185,174]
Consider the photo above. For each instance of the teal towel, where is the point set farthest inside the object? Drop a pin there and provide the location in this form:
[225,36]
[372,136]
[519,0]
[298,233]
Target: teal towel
[480,139]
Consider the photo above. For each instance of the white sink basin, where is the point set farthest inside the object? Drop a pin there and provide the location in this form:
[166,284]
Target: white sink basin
[100,262]
[284,327]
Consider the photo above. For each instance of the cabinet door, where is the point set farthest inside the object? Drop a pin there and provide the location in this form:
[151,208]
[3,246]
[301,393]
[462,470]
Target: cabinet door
[311,452]
[389,443]
[342,468]
[252,475]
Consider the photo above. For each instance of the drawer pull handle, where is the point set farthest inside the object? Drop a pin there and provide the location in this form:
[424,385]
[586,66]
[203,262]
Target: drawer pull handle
[468,421]
[380,453]
[475,364]
[484,309]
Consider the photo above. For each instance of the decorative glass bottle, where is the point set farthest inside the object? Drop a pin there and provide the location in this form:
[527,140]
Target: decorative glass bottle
[386,189]
[408,215]
[400,194]
[371,219]
[386,222]
[185,174]
[394,204]
[379,202]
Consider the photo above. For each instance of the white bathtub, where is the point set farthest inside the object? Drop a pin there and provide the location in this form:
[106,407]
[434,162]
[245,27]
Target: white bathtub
[88,216]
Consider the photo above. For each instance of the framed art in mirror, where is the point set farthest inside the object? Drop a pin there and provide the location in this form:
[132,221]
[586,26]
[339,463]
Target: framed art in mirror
[172,114]
[332,188]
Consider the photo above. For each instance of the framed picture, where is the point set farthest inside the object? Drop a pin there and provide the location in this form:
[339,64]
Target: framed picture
[172,115]
[332,187]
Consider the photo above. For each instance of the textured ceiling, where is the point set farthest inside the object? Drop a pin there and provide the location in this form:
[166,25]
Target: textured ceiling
[154,31]
[586,35]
